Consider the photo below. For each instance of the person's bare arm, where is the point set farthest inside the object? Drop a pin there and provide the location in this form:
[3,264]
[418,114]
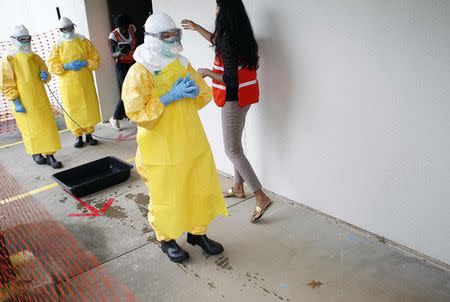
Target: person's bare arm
[113,45]
[191,25]
[204,72]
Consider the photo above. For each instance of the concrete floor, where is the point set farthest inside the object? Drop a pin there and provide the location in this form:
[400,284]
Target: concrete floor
[274,260]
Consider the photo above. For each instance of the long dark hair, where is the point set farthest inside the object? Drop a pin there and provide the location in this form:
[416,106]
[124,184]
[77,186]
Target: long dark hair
[232,20]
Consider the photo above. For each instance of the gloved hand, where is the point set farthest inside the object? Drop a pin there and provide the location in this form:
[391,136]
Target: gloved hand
[43,75]
[183,88]
[18,106]
[75,65]
[83,64]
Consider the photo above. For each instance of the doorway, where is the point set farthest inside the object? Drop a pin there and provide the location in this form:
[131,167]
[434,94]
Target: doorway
[137,10]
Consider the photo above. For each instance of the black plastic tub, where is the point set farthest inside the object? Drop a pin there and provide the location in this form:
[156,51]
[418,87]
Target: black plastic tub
[94,176]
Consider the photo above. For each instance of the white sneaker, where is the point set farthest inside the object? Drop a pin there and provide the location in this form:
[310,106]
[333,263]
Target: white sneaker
[115,124]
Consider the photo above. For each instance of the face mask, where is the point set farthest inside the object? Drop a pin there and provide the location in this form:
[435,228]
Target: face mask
[25,46]
[68,35]
[22,46]
[170,50]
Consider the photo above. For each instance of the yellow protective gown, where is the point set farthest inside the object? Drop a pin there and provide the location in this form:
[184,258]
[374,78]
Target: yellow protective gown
[173,157]
[77,88]
[20,78]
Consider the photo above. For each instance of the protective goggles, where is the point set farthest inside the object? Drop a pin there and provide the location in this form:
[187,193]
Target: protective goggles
[23,39]
[167,36]
[67,29]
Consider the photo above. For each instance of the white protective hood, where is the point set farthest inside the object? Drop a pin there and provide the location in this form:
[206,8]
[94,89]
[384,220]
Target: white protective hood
[16,46]
[65,22]
[150,54]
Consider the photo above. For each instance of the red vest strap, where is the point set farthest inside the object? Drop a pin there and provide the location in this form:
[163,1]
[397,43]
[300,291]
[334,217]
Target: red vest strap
[128,59]
[248,86]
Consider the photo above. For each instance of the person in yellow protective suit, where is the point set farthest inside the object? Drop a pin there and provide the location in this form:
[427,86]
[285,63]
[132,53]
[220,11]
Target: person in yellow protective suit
[23,74]
[73,59]
[162,94]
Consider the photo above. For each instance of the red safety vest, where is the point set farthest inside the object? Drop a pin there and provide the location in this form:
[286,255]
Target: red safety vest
[128,59]
[248,86]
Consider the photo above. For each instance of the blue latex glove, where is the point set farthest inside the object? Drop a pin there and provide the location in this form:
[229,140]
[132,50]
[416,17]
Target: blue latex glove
[83,64]
[183,88]
[72,66]
[43,75]
[75,65]
[18,106]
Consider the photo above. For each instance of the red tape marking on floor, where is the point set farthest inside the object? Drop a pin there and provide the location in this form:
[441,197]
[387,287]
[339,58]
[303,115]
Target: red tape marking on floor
[94,212]
[123,138]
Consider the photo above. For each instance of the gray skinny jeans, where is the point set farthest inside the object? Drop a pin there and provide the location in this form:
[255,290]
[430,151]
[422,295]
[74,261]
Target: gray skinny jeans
[233,122]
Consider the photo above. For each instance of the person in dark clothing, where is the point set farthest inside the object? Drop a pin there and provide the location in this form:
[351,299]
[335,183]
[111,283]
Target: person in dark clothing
[235,88]
[123,43]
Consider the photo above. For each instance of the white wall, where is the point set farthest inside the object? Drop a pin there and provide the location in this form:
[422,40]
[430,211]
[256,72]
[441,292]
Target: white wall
[91,18]
[105,76]
[355,114]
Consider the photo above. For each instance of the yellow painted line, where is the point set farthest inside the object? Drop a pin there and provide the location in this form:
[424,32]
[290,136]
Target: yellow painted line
[38,190]
[21,142]
[10,145]
[29,193]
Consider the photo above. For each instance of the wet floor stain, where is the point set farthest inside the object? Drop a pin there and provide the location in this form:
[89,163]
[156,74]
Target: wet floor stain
[279,297]
[190,269]
[152,239]
[183,267]
[251,280]
[142,200]
[63,199]
[254,280]
[266,290]
[113,211]
[381,239]
[224,263]
[146,229]
[206,255]
[315,284]
[82,208]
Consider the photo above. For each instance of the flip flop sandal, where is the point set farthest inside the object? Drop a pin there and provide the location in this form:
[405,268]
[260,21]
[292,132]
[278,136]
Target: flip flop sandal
[259,212]
[230,193]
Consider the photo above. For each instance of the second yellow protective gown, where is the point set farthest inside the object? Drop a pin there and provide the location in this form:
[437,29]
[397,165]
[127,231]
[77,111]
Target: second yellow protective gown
[173,157]
[77,88]
[20,79]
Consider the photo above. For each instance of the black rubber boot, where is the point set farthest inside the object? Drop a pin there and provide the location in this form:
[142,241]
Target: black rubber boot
[173,251]
[90,140]
[78,142]
[209,246]
[39,159]
[51,161]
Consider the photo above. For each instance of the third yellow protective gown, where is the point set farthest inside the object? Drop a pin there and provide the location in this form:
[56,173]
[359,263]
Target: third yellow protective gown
[77,88]
[20,79]
[173,157]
